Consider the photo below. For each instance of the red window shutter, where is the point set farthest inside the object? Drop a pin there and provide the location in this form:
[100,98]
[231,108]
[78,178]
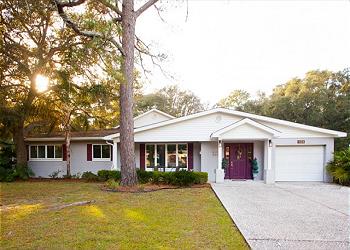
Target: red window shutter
[111,152]
[142,156]
[190,156]
[89,152]
[64,152]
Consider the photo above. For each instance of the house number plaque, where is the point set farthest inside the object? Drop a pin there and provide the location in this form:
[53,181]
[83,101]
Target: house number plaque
[300,141]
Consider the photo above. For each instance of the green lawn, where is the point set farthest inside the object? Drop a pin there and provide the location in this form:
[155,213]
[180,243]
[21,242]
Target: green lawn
[167,219]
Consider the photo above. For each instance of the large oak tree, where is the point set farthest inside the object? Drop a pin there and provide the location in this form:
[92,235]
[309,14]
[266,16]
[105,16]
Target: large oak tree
[122,18]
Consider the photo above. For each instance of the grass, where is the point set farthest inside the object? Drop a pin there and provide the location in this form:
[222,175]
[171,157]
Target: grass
[167,219]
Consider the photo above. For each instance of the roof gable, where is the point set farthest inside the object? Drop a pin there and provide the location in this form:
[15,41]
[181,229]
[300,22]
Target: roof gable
[257,118]
[245,128]
[151,117]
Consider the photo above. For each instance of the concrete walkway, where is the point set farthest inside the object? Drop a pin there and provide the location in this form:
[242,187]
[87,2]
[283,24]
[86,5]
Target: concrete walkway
[288,215]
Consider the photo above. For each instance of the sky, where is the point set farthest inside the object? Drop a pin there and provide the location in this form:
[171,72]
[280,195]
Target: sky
[252,45]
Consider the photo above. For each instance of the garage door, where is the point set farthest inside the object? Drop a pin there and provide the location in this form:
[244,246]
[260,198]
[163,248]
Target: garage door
[299,163]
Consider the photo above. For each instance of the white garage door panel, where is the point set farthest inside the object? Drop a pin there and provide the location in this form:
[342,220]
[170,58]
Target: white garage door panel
[299,163]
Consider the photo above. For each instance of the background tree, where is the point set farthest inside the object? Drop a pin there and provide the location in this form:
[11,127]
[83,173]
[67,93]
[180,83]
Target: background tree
[235,100]
[321,98]
[172,100]
[31,45]
[34,43]
[120,23]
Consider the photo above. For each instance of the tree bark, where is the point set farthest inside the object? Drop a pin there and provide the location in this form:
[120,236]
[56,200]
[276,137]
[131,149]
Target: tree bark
[67,139]
[127,151]
[21,149]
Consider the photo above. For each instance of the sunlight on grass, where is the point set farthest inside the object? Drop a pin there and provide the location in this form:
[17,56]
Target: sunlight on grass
[170,219]
[94,211]
[134,215]
[22,211]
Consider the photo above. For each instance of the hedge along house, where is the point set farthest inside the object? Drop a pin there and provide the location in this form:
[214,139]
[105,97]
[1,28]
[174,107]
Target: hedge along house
[285,151]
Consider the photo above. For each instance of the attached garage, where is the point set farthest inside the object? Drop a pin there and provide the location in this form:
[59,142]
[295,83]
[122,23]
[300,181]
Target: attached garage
[299,163]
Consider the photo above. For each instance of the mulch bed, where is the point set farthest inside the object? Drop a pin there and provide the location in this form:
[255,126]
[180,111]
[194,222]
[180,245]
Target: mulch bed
[148,188]
[52,180]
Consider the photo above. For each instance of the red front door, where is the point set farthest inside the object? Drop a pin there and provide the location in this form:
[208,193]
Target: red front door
[238,156]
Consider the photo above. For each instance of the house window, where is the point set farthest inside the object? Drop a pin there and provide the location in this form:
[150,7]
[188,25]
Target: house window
[160,155]
[166,155]
[171,155]
[150,152]
[182,155]
[101,152]
[45,152]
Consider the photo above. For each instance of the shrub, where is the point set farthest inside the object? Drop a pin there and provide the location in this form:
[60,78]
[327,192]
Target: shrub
[19,172]
[54,174]
[144,176]
[90,176]
[200,177]
[339,168]
[112,184]
[105,175]
[180,178]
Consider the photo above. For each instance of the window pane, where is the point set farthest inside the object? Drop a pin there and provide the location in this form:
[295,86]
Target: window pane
[149,155]
[33,152]
[182,154]
[171,156]
[161,155]
[97,151]
[58,151]
[50,151]
[106,151]
[41,151]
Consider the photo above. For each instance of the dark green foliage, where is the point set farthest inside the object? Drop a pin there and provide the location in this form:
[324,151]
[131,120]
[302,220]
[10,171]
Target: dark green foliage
[89,176]
[9,170]
[321,98]
[144,176]
[339,168]
[224,163]
[180,178]
[105,175]
[255,167]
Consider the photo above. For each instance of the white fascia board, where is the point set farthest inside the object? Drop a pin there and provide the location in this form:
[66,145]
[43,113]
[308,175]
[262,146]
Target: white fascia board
[287,123]
[237,113]
[271,131]
[154,110]
[62,139]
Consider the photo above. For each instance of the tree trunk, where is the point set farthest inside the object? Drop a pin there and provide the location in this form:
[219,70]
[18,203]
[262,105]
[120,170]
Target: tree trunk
[67,138]
[127,151]
[21,149]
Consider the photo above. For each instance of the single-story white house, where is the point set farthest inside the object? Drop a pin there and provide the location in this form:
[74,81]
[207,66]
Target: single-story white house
[285,151]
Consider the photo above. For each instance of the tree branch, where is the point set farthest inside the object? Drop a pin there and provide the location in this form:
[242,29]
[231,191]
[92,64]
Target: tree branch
[111,6]
[144,7]
[90,34]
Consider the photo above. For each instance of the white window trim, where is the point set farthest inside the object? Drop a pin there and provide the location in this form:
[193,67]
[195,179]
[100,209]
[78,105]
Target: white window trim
[166,153]
[44,159]
[101,159]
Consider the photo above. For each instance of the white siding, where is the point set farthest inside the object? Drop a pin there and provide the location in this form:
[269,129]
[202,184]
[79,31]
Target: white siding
[79,162]
[45,168]
[196,129]
[292,132]
[209,158]
[245,131]
[259,154]
[196,157]
[150,118]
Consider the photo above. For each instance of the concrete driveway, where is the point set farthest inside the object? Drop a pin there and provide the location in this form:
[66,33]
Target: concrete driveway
[288,215]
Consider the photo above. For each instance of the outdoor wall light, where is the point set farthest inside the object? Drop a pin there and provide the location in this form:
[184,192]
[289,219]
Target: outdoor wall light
[270,143]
